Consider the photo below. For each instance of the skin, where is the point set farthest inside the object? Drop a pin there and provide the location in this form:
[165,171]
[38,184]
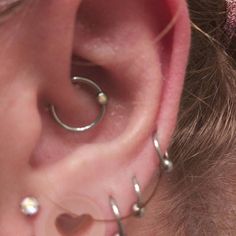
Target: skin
[80,171]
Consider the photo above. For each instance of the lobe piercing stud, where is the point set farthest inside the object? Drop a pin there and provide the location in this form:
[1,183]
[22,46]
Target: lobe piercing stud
[29,206]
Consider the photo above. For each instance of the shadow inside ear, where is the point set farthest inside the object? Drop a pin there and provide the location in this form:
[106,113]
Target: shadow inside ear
[72,225]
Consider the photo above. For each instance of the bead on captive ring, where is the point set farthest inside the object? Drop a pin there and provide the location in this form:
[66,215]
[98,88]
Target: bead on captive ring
[102,99]
[166,163]
[137,208]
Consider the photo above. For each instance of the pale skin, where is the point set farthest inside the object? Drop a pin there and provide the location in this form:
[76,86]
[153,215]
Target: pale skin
[80,171]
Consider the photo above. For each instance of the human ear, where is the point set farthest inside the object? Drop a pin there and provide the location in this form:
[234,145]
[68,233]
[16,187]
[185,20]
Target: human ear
[141,66]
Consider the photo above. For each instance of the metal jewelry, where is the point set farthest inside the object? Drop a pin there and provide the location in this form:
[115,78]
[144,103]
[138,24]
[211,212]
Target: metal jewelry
[116,212]
[138,207]
[29,206]
[166,163]
[101,97]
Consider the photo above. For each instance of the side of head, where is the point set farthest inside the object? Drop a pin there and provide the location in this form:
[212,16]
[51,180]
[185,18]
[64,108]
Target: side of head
[137,52]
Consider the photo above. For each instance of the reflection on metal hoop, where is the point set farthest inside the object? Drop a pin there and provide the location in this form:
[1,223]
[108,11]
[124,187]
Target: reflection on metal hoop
[167,164]
[138,207]
[117,215]
[101,98]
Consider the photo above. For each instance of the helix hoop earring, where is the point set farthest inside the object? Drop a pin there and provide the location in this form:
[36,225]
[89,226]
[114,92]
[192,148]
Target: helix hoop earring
[116,212]
[166,163]
[138,208]
[102,99]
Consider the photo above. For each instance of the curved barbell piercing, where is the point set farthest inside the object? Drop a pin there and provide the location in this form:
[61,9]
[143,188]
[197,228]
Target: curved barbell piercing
[138,207]
[102,99]
[166,163]
[116,212]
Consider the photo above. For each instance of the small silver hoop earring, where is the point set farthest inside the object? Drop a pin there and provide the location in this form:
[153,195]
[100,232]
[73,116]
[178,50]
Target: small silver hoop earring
[101,98]
[138,208]
[166,163]
[117,215]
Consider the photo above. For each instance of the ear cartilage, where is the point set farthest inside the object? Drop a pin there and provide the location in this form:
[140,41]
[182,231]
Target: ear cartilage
[166,163]
[29,206]
[101,98]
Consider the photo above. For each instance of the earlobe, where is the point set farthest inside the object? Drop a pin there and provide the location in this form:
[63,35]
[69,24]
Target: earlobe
[144,81]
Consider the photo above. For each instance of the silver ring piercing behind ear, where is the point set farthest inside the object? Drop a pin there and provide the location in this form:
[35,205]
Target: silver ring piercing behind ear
[166,163]
[116,212]
[101,98]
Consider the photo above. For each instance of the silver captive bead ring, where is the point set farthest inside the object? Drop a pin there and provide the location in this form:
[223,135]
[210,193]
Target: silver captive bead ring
[116,212]
[102,99]
[166,163]
[138,208]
